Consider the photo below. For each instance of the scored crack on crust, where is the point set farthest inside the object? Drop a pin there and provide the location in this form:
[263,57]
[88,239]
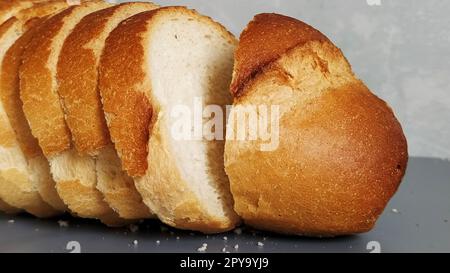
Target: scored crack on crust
[269,38]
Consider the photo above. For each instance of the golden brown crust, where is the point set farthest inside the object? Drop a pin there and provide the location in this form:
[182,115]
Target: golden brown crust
[8,8]
[345,162]
[41,9]
[9,87]
[341,154]
[36,87]
[78,78]
[122,85]
[265,39]
[23,184]
[30,20]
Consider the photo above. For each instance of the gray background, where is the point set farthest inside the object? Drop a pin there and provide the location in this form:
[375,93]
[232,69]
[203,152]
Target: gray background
[400,48]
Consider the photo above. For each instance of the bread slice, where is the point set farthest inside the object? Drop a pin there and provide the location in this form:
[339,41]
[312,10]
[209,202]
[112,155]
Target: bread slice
[26,181]
[341,153]
[74,174]
[151,63]
[77,64]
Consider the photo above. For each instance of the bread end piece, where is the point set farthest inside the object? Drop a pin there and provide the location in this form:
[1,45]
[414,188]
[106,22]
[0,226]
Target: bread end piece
[341,153]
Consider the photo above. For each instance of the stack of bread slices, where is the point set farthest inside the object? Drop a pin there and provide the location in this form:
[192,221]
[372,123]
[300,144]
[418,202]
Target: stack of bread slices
[86,93]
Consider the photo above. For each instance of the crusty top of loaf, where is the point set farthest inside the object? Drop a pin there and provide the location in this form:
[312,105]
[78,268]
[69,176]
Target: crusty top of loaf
[9,7]
[124,85]
[265,39]
[77,76]
[37,86]
[9,92]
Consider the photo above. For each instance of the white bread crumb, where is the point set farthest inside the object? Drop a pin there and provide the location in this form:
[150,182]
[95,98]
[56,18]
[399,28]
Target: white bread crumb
[63,224]
[11,221]
[203,248]
[238,231]
[236,247]
[260,244]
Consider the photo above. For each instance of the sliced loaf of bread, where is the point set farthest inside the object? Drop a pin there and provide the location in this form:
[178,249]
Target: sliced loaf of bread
[77,86]
[152,63]
[75,174]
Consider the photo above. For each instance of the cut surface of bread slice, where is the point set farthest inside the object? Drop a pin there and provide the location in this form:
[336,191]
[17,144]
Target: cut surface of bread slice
[154,62]
[341,153]
[74,173]
[29,186]
[77,77]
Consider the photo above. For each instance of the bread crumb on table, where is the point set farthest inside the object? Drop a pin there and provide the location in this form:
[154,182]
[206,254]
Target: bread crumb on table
[260,244]
[236,247]
[135,242]
[11,221]
[395,211]
[203,247]
[62,223]
[238,231]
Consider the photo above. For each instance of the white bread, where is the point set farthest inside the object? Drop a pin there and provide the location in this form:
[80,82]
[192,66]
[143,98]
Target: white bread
[77,78]
[74,174]
[26,181]
[341,153]
[150,63]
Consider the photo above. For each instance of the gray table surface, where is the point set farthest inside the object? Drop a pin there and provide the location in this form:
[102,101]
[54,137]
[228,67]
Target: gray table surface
[416,220]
